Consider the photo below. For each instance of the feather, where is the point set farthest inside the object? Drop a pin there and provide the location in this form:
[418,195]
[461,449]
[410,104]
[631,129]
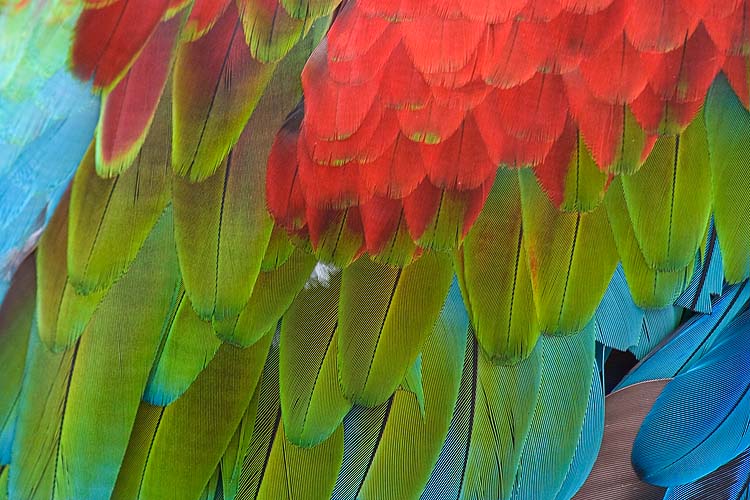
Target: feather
[187,348]
[494,276]
[657,325]
[216,85]
[691,341]
[203,16]
[270,31]
[232,206]
[384,316]
[273,467]
[708,278]
[128,109]
[669,199]
[63,313]
[567,364]
[731,481]
[705,412]
[613,476]
[193,432]
[490,424]
[649,287]
[109,38]
[589,442]
[727,125]
[567,253]
[312,405]
[111,218]
[16,315]
[391,449]
[272,294]
[618,319]
[71,434]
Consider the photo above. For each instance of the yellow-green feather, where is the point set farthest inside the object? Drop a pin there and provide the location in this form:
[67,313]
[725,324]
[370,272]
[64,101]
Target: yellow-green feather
[571,257]
[728,127]
[195,430]
[650,288]
[669,198]
[272,294]
[384,316]
[493,273]
[312,405]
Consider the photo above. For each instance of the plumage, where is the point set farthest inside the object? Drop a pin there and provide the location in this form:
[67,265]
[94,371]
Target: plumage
[408,249]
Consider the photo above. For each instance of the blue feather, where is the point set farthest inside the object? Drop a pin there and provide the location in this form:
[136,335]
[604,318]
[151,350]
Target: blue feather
[691,341]
[590,440]
[618,320]
[708,277]
[657,324]
[702,418]
[728,482]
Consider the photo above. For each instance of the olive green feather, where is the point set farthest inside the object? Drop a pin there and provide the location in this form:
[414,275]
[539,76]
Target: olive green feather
[384,316]
[493,273]
[728,128]
[571,257]
[312,405]
[111,218]
[669,199]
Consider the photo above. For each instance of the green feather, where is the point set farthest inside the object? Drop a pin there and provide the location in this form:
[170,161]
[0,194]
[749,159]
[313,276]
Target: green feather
[139,446]
[62,312]
[649,287]
[111,218]
[40,412]
[585,183]
[397,459]
[195,430]
[188,347]
[571,256]
[117,346]
[274,468]
[566,378]
[494,276]
[222,229]
[231,462]
[16,314]
[302,9]
[384,315]
[272,294]
[501,400]
[669,199]
[728,128]
[270,31]
[312,405]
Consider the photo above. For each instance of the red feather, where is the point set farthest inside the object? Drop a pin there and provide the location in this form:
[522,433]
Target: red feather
[109,38]
[203,16]
[659,25]
[128,109]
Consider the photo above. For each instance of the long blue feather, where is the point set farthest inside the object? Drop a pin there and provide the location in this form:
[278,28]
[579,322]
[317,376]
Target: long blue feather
[590,440]
[708,277]
[702,418]
[728,482]
[691,341]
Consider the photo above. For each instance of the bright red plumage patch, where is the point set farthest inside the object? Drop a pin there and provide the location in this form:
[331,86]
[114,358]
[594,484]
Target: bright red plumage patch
[477,85]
